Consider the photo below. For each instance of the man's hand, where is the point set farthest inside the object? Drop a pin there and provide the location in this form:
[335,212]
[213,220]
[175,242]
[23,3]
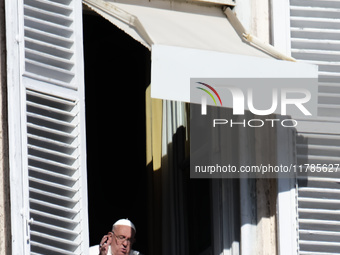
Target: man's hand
[104,244]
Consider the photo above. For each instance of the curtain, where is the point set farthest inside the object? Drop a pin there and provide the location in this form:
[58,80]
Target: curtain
[166,158]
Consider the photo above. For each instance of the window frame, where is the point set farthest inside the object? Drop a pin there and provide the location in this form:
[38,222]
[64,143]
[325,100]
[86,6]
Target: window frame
[18,226]
[221,2]
[280,21]
[287,235]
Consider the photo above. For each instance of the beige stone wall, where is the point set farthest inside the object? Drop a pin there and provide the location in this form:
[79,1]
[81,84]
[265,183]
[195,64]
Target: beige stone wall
[255,17]
[266,189]
[5,219]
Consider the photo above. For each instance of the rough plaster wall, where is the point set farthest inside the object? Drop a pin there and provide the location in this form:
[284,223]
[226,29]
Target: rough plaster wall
[266,188]
[260,23]
[255,17]
[5,221]
[266,153]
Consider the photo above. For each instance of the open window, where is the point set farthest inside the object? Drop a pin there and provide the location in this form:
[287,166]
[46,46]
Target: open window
[117,73]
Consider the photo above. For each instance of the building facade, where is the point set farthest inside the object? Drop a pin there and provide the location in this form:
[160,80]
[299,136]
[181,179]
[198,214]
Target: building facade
[68,134]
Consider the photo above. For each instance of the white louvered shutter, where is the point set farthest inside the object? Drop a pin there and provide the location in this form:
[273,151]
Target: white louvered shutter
[315,38]
[51,131]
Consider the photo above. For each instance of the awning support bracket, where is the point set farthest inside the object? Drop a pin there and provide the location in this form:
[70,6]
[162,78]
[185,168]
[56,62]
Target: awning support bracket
[253,40]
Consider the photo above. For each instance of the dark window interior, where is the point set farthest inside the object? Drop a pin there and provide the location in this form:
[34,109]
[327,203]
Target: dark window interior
[117,70]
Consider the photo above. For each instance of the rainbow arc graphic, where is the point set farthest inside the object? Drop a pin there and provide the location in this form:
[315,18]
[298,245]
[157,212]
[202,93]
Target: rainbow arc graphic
[212,93]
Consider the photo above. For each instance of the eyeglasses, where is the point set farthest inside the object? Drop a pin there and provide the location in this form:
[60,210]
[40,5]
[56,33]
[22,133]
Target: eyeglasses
[121,239]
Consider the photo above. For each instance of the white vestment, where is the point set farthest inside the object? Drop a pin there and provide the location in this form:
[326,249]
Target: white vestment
[94,250]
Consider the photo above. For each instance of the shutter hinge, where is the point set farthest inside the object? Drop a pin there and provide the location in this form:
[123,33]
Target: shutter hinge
[18,39]
[29,222]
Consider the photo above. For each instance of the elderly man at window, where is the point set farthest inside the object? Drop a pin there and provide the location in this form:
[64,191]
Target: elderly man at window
[117,242]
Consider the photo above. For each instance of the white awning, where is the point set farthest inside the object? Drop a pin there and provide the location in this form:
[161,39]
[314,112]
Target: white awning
[174,23]
[190,41]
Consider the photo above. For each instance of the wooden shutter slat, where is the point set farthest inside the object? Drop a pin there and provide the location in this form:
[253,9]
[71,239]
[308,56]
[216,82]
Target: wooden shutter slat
[68,176]
[52,6]
[48,27]
[49,48]
[49,70]
[54,239]
[321,44]
[50,38]
[62,220]
[62,231]
[317,253]
[63,211]
[48,248]
[316,3]
[58,199]
[49,60]
[51,123]
[54,17]
[53,132]
[48,184]
[317,12]
[51,156]
[46,142]
[52,164]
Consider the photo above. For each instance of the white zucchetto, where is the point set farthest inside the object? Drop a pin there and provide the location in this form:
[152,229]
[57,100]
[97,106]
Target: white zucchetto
[124,222]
